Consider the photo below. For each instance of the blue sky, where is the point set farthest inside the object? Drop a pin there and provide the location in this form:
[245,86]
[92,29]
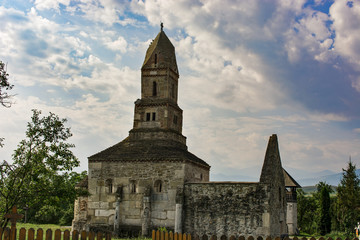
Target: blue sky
[248,69]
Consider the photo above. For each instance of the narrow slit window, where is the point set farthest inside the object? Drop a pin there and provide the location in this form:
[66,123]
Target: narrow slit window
[133,187]
[158,186]
[155,58]
[172,90]
[109,184]
[147,117]
[153,116]
[175,120]
[154,88]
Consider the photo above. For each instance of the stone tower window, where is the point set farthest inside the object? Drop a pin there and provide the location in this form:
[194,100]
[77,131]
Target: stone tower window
[172,90]
[158,186]
[132,186]
[153,116]
[155,59]
[175,119]
[109,185]
[154,88]
[148,115]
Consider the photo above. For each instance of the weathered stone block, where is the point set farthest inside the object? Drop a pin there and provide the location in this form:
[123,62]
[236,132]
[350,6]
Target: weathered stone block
[104,213]
[158,215]
[170,215]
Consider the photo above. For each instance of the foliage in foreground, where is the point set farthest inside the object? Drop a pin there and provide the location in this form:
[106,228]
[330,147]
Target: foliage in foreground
[324,214]
[5,86]
[40,177]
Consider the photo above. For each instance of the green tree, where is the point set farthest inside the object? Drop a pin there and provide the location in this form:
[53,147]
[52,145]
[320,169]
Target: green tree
[39,165]
[348,199]
[306,208]
[4,87]
[5,98]
[58,208]
[324,204]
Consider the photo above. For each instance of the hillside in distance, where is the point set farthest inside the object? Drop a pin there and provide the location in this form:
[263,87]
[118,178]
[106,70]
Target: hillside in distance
[304,178]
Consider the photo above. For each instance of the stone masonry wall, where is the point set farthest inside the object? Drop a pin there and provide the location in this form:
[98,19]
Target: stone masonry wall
[134,178]
[226,208]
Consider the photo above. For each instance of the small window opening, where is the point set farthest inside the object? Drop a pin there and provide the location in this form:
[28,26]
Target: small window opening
[153,116]
[109,185]
[155,58]
[154,88]
[172,90]
[158,186]
[148,117]
[132,187]
[175,119]
[279,194]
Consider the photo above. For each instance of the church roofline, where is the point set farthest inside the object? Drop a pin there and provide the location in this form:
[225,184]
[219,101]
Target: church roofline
[147,151]
[289,180]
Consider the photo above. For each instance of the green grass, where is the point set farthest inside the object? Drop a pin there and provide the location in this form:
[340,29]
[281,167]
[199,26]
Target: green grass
[333,235]
[45,227]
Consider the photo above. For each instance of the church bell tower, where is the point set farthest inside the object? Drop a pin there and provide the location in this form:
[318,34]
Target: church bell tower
[157,114]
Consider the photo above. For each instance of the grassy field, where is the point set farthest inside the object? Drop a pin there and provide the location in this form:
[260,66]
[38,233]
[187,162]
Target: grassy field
[333,235]
[43,226]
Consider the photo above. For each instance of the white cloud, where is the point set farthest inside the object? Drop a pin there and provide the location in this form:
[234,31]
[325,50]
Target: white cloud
[346,26]
[50,4]
[356,84]
[101,11]
[119,44]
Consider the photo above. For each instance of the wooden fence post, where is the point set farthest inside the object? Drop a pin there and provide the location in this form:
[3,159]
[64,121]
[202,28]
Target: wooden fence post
[6,234]
[31,234]
[83,235]
[22,234]
[91,236]
[75,235]
[57,234]
[48,235]
[108,236]
[66,235]
[39,234]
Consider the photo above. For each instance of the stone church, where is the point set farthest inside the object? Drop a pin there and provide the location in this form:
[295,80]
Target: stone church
[151,180]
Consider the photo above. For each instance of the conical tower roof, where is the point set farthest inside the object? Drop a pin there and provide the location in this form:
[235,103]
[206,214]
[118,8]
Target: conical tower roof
[163,47]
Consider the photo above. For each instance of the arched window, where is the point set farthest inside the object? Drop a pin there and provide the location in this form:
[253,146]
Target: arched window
[133,186]
[109,185]
[158,186]
[154,88]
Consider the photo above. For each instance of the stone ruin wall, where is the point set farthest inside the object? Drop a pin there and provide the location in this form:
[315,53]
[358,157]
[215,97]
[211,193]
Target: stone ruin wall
[225,208]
